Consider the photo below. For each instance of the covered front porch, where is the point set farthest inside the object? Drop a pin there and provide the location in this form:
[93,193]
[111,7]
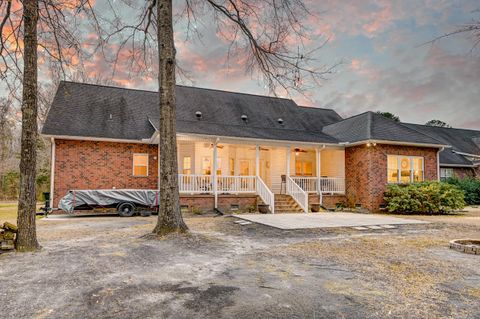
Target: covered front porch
[231,166]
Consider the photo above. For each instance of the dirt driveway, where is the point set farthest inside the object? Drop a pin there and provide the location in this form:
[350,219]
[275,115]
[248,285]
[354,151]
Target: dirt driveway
[103,268]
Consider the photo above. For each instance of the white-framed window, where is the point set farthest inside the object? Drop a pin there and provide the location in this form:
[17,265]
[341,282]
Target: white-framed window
[206,165]
[405,169]
[446,173]
[140,165]
[187,165]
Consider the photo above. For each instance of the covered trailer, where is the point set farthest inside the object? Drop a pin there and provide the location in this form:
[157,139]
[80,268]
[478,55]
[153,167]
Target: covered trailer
[127,202]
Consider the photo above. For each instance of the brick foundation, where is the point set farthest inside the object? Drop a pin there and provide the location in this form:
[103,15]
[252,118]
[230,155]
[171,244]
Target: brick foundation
[329,201]
[366,171]
[205,203]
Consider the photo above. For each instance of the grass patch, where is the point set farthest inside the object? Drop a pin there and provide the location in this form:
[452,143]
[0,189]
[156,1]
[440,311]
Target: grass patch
[8,211]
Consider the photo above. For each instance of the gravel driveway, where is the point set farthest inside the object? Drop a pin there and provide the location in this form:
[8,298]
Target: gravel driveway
[103,268]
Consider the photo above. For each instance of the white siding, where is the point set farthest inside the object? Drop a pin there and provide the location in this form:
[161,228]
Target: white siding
[332,163]
[277,168]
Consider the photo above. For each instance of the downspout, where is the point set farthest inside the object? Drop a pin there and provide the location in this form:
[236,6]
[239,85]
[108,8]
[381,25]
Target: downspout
[319,170]
[438,163]
[214,174]
[52,170]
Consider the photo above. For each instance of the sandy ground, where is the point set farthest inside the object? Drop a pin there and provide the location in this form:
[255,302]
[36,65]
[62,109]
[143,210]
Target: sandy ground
[102,267]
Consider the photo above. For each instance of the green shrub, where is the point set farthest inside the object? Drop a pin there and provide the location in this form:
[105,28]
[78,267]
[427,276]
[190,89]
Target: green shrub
[424,198]
[470,186]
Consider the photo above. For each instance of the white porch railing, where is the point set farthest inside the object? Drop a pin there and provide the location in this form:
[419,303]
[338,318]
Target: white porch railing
[334,185]
[308,184]
[297,193]
[266,194]
[195,184]
[236,184]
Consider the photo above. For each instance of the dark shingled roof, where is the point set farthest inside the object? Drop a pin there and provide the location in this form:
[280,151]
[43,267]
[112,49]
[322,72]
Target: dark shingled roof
[87,110]
[84,110]
[373,126]
[461,140]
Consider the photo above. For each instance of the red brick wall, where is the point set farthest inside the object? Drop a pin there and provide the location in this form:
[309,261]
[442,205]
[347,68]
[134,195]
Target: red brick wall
[329,201]
[462,172]
[366,171]
[206,203]
[104,165]
[100,165]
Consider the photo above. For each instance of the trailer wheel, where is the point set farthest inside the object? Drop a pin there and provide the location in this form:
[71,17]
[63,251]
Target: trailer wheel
[126,210]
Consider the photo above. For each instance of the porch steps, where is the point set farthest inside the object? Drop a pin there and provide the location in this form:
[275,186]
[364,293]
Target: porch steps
[286,204]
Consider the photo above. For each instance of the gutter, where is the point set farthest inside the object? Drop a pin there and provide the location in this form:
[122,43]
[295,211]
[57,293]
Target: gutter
[349,144]
[460,165]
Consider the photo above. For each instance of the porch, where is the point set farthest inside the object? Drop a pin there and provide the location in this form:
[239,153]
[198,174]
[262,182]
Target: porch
[234,167]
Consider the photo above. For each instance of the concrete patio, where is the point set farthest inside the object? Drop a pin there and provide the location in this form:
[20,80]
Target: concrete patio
[325,220]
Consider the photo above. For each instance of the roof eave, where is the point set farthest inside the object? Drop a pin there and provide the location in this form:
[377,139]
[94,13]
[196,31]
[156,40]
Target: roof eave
[96,139]
[459,165]
[350,144]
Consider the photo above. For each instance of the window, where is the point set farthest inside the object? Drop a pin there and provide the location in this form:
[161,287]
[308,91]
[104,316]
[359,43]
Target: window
[303,168]
[140,164]
[404,169]
[187,165]
[206,166]
[446,173]
[244,168]
[219,166]
[232,167]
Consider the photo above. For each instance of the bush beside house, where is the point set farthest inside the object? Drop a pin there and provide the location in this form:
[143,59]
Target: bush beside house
[424,198]
[470,186]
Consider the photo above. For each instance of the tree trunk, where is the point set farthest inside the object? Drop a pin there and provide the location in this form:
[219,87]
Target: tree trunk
[169,215]
[27,234]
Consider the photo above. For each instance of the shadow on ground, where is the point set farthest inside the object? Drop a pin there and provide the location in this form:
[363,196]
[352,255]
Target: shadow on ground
[103,267]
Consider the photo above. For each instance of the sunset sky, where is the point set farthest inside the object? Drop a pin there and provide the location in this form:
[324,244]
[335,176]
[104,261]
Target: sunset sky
[385,67]
[380,45]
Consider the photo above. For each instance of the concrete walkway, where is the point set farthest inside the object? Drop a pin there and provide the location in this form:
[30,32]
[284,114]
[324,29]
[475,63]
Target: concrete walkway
[325,220]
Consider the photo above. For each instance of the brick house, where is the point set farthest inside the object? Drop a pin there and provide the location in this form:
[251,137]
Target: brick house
[236,149]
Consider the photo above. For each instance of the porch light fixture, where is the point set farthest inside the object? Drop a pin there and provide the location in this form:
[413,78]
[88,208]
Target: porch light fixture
[198,114]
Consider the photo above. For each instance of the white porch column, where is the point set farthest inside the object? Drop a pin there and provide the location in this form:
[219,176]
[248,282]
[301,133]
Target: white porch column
[288,160]
[257,160]
[214,173]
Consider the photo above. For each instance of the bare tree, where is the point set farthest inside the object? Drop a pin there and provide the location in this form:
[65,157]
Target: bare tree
[26,26]
[269,33]
[471,29]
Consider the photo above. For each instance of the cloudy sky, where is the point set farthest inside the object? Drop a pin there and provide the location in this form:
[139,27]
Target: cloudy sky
[384,65]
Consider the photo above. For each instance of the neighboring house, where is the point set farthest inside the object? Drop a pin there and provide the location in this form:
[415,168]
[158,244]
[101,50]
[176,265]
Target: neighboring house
[235,149]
